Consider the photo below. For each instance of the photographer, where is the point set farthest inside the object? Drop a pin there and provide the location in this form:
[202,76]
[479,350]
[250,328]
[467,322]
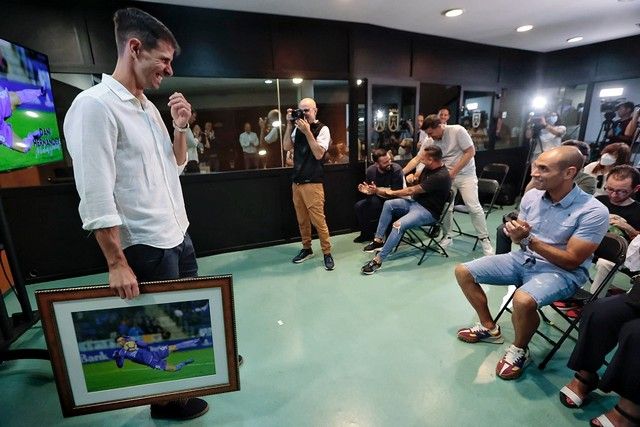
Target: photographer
[309,140]
[617,132]
[547,130]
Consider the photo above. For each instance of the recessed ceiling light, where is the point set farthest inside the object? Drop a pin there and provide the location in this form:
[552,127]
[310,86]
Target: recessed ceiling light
[450,13]
[611,92]
[296,80]
[575,39]
[268,81]
[524,28]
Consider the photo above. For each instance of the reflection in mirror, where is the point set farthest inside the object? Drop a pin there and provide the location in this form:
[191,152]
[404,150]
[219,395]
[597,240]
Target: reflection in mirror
[238,123]
[477,108]
[510,119]
[234,122]
[434,97]
[393,109]
[607,123]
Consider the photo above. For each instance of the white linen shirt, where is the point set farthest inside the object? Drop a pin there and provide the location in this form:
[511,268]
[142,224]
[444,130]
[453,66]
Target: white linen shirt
[124,166]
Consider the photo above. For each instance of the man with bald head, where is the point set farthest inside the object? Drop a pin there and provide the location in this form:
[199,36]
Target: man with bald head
[309,139]
[558,229]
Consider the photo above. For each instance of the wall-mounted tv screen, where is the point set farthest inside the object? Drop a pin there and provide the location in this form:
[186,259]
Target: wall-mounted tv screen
[29,132]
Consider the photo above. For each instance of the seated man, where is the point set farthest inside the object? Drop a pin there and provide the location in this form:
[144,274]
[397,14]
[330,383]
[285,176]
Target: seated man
[558,228]
[583,180]
[606,324]
[384,174]
[429,198]
[622,183]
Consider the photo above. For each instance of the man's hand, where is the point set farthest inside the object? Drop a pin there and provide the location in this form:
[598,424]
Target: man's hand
[618,221]
[517,230]
[372,188]
[304,126]
[180,109]
[410,179]
[123,281]
[364,188]
[452,174]
[262,123]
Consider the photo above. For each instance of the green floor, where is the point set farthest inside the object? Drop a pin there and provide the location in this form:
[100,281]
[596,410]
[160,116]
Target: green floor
[340,349]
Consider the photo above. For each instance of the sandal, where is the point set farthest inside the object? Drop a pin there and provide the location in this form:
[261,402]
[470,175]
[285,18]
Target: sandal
[570,399]
[604,421]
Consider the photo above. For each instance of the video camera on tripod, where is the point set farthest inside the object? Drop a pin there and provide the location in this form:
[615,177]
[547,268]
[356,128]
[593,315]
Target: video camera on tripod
[608,108]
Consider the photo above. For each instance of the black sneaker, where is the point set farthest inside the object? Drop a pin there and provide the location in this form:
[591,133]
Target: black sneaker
[371,267]
[361,239]
[302,256]
[328,262]
[179,409]
[373,247]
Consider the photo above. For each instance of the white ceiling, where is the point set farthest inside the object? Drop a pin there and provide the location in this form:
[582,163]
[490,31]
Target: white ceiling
[490,22]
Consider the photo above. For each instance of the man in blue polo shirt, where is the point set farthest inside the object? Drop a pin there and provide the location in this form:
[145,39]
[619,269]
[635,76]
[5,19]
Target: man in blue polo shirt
[558,229]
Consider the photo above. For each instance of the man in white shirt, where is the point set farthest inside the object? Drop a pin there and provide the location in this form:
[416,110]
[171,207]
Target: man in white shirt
[249,143]
[126,169]
[458,155]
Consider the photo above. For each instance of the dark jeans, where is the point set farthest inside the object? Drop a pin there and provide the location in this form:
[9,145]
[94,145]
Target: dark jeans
[604,324]
[151,264]
[368,213]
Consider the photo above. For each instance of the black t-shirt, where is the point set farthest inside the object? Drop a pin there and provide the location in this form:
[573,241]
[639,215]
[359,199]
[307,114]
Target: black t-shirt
[393,178]
[630,212]
[436,184]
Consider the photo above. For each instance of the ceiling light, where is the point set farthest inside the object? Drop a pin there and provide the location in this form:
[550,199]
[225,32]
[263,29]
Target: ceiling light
[524,28]
[611,92]
[359,82]
[379,114]
[575,39]
[268,81]
[451,13]
[361,119]
[296,80]
[472,106]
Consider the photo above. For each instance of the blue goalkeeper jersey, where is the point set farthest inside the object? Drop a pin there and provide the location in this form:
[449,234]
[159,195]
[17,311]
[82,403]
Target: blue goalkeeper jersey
[142,355]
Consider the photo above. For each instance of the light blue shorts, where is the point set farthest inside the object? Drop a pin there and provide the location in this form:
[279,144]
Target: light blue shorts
[542,280]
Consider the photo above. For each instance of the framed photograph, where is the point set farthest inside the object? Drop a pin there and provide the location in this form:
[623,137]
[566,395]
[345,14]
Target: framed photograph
[176,340]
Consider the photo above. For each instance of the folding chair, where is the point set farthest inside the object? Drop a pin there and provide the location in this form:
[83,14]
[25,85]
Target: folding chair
[612,248]
[488,191]
[430,232]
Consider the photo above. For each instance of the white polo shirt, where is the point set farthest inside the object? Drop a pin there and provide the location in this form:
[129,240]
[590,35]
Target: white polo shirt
[125,170]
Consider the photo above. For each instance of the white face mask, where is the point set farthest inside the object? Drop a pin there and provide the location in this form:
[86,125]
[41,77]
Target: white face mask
[552,120]
[607,159]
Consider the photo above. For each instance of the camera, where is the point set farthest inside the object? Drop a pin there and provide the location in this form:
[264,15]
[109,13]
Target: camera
[297,114]
[536,123]
[608,106]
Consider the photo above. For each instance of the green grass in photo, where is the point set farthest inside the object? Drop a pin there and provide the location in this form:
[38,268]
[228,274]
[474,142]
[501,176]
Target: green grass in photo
[106,375]
[11,159]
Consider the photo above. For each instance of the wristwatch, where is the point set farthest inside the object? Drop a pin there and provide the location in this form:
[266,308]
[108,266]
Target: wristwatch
[526,241]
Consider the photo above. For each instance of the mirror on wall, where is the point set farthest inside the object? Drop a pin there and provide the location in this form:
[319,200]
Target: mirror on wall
[609,115]
[239,122]
[475,117]
[434,97]
[393,111]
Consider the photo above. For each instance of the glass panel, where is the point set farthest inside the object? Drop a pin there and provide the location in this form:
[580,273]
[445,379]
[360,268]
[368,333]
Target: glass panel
[477,108]
[393,110]
[606,122]
[510,121]
[230,113]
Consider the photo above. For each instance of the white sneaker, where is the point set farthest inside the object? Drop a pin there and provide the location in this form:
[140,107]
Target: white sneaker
[487,249]
[446,241]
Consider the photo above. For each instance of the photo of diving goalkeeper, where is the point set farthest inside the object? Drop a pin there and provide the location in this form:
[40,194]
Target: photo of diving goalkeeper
[139,352]
[146,344]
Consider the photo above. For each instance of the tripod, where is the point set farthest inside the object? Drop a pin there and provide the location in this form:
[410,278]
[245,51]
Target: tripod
[605,127]
[533,144]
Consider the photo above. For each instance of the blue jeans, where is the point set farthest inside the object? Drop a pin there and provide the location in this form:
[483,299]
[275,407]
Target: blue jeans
[151,264]
[409,213]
